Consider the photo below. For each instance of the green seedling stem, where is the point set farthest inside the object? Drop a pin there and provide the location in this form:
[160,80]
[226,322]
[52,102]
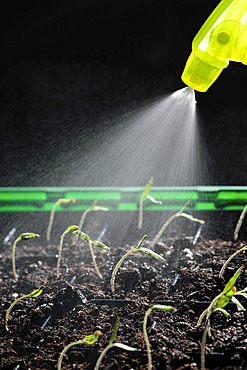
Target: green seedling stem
[89,339]
[145,192]
[144,195]
[177,214]
[139,248]
[92,208]
[157,307]
[35,293]
[59,201]
[230,258]
[112,344]
[218,303]
[24,236]
[239,224]
[91,243]
[70,228]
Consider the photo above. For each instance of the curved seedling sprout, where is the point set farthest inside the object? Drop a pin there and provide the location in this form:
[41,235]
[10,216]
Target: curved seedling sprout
[92,243]
[239,224]
[145,192]
[144,195]
[92,208]
[70,228]
[178,214]
[24,236]
[157,307]
[112,344]
[218,303]
[35,293]
[138,248]
[59,201]
[230,258]
[89,339]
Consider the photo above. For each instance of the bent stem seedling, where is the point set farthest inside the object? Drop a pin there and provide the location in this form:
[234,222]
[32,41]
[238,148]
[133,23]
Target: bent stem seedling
[70,228]
[92,208]
[230,258]
[24,236]
[92,243]
[239,224]
[144,195]
[156,307]
[145,192]
[112,344]
[218,304]
[59,201]
[89,339]
[35,293]
[139,248]
[178,214]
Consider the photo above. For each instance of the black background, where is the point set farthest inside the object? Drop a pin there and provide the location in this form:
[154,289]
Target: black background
[67,67]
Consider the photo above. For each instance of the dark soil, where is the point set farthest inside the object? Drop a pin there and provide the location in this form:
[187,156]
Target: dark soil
[78,303]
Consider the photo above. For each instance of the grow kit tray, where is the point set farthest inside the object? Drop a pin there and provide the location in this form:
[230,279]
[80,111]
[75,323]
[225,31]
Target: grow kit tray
[219,206]
[41,199]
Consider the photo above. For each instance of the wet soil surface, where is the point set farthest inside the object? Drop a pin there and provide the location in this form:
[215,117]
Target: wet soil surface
[79,303]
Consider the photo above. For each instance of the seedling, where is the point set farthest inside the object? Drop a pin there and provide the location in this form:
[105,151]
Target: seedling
[92,208]
[178,214]
[35,293]
[156,307]
[239,224]
[112,344]
[139,248]
[59,201]
[230,258]
[70,228]
[89,339]
[145,192]
[218,304]
[90,242]
[144,195]
[24,236]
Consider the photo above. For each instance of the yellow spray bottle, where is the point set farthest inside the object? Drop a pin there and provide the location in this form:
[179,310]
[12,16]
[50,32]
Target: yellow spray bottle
[222,38]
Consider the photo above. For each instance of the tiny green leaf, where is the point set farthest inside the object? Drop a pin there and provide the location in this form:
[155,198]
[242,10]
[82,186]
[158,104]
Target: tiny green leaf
[27,236]
[37,292]
[191,218]
[149,197]
[222,310]
[231,282]
[91,339]
[114,334]
[147,188]
[224,300]
[151,253]
[100,245]
[160,307]
[125,347]
[63,200]
[242,293]
[236,301]
[98,208]
[72,228]
[82,235]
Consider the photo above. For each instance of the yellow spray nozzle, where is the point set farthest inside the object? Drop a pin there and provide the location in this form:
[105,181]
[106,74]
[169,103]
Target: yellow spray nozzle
[222,38]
